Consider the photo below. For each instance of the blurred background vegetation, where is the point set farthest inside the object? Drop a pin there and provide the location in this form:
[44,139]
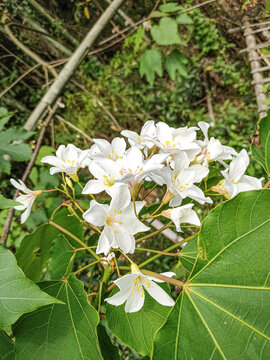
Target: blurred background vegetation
[177,68]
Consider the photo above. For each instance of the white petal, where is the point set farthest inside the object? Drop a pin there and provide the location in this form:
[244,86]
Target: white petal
[204,127]
[96,170]
[134,302]
[52,160]
[124,241]
[55,170]
[104,245]
[159,294]
[121,198]
[239,165]
[119,146]
[120,297]
[103,145]
[149,128]
[97,213]
[93,187]
[126,281]
[59,152]
[20,186]
[200,172]
[26,213]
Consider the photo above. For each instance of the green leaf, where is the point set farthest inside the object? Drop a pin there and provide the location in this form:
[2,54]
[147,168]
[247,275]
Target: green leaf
[223,311]
[59,331]
[7,203]
[18,295]
[5,165]
[6,347]
[34,251]
[157,14]
[168,8]
[18,151]
[62,261]
[166,33]
[108,350]
[175,62]
[151,63]
[4,117]
[189,254]
[137,329]
[184,19]
[262,155]
[44,151]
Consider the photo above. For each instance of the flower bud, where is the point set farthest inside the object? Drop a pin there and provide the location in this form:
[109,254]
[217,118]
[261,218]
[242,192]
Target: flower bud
[74,177]
[134,269]
[69,182]
[167,197]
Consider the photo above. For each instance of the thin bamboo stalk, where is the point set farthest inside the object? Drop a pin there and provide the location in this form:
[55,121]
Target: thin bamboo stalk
[71,66]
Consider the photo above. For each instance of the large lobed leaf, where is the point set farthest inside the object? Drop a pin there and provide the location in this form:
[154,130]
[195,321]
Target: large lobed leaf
[6,347]
[223,311]
[7,203]
[137,329]
[150,64]
[166,33]
[262,153]
[18,295]
[34,251]
[62,260]
[59,332]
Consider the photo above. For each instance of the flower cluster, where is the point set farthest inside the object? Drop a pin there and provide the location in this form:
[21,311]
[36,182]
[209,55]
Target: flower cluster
[173,158]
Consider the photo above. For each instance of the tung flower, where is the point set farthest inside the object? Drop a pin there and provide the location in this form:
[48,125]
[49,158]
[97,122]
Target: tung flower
[172,140]
[27,199]
[212,150]
[119,220]
[102,149]
[182,214]
[235,180]
[132,288]
[146,137]
[68,159]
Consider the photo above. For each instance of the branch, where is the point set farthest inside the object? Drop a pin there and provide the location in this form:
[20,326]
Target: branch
[18,80]
[60,118]
[71,66]
[27,171]
[29,52]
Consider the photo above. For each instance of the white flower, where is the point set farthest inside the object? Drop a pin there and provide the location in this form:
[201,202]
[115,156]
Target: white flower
[180,181]
[235,180]
[68,159]
[103,149]
[148,133]
[119,220]
[27,199]
[132,288]
[212,150]
[106,172]
[136,168]
[172,140]
[182,214]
